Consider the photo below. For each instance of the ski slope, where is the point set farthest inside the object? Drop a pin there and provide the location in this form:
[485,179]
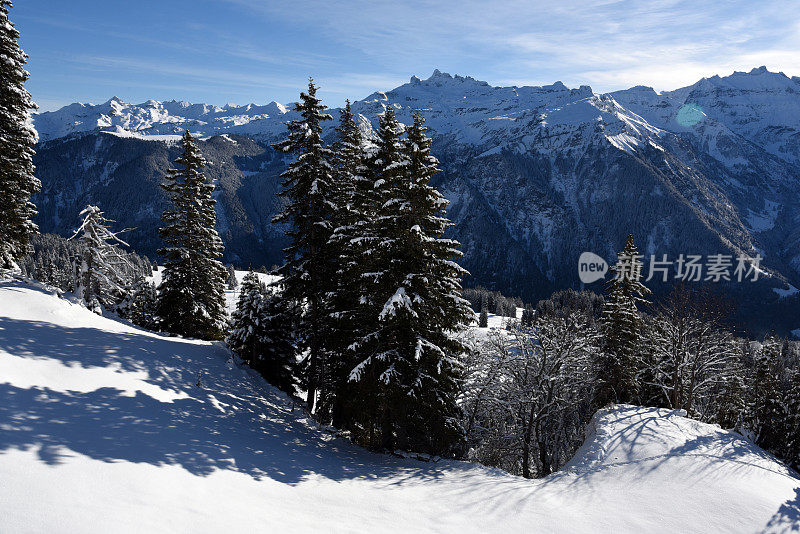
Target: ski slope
[104,428]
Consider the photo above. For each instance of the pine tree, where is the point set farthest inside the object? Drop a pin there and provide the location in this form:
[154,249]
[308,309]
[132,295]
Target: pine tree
[309,270]
[793,420]
[99,277]
[483,319]
[244,335]
[141,305]
[191,295]
[259,333]
[731,402]
[622,325]
[412,359]
[276,359]
[767,415]
[350,241]
[231,281]
[17,139]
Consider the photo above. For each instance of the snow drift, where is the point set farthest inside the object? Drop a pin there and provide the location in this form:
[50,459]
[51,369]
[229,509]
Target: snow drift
[108,428]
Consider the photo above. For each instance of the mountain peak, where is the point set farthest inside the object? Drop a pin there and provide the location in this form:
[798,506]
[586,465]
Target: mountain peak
[438,78]
[439,74]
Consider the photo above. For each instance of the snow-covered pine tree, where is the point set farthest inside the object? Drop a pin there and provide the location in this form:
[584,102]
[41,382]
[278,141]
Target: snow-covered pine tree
[191,295]
[17,138]
[483,319]
[231,281]
[413,353]
[618,364]
[245,320]
[730,402]
[793,420]
[99,278]
[350,241]
[309,270]
[276,358]
[141,305]
[260,334]
[766,415]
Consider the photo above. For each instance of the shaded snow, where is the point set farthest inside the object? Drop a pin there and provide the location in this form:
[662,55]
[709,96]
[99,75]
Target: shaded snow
[237,456]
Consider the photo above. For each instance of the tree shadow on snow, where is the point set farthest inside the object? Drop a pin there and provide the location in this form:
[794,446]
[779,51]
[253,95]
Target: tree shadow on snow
[787,518]
[235,421]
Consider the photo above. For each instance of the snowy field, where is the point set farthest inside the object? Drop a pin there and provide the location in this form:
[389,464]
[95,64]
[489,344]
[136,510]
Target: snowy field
[104,428]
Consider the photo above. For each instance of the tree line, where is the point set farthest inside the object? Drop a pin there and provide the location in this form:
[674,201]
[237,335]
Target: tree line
[530,391]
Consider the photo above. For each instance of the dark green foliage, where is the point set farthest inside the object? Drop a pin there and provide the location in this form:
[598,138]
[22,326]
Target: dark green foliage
[243,338]
[483,319]
[792,445]
[732,398]
[350,242]
[767,410]
[309,271]
[261,334]
[141,305]
[619,362]
[231,281]
[526,320]
[191,295]
[17,138]
[410,358]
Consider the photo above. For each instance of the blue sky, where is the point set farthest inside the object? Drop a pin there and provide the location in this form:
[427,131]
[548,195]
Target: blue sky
[240,51]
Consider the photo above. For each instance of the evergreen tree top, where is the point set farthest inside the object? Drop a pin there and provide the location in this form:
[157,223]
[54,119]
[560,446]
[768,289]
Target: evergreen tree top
[628,274]
[389,124]
[349,134]
[191,156]
[306,132]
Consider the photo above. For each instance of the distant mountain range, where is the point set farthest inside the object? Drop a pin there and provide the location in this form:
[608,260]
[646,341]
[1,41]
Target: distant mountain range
[535,175]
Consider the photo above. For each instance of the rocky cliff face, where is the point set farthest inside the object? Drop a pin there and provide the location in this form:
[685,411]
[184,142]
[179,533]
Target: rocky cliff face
[535,175]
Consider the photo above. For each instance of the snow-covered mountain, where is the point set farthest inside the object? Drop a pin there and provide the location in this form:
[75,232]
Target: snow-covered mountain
[535,175]
[105,427]
[153,118]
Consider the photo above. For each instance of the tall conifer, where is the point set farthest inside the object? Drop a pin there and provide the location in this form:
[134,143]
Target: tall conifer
[191,295]
[17,138]
[309,269]
[622,325]
[411,362]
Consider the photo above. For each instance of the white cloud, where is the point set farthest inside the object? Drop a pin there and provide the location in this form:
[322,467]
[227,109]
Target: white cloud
[608,44]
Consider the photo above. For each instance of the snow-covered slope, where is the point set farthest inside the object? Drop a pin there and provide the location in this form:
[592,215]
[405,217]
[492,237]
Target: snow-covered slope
[103,428]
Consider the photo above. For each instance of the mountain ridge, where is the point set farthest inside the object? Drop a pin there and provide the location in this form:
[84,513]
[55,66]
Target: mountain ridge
[535,175]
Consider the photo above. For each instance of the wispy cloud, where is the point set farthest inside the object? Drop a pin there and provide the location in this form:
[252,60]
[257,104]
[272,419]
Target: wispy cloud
[256,50]
[609,44]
